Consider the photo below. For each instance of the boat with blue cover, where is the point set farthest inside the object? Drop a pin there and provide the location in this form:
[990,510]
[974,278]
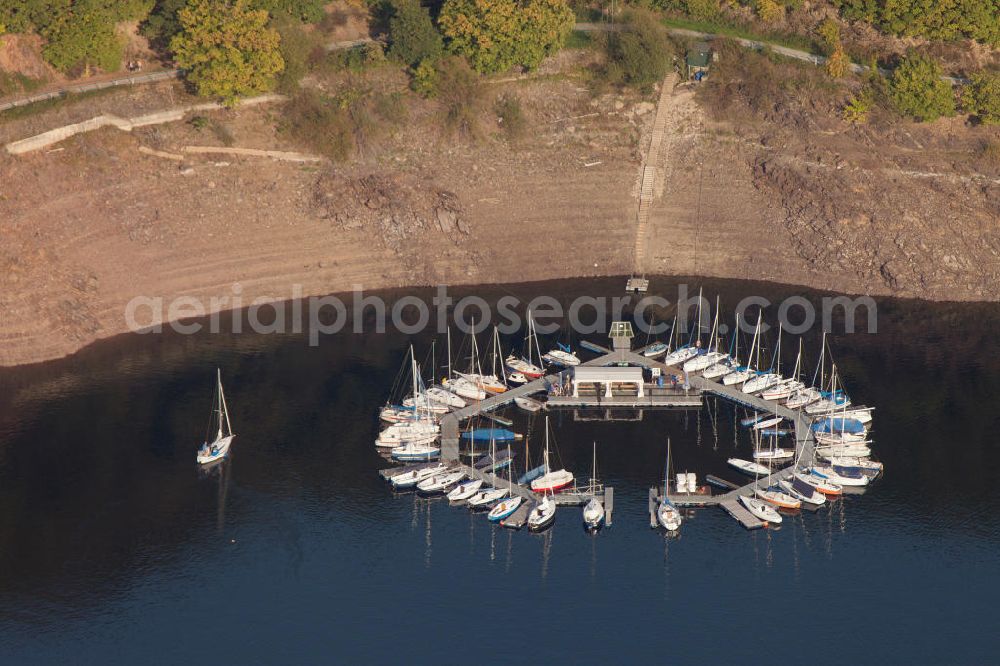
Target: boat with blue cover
[490,435]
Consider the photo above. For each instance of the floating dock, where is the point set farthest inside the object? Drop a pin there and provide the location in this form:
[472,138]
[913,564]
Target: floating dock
[654,396]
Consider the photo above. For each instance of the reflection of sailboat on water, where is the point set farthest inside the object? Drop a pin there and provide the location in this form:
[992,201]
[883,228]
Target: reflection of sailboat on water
[219,448]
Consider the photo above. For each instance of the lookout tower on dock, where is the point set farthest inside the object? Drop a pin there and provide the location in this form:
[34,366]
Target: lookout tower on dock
[621,338]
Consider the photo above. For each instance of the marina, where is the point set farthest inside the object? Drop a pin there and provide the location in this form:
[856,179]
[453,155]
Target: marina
[619,380]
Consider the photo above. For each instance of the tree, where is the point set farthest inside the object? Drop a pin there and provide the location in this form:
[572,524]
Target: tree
[226,49]
[982,97]
[412,35]
[639,53]
[307,11]
[769,11]
[495,35]
[918,91]
[838,64]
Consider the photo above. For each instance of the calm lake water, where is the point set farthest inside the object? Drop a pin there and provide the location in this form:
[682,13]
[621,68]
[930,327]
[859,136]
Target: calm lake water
[113,545]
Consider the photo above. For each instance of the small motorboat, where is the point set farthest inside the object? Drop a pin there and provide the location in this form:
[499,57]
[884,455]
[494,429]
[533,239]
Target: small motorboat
[542,515]
[747,467]
[593,514]
[528,404]
[465,490]
[411,478]
[824,486]
[439,483]
[516,378]
[504,509]
[761,509]
[487,497]
[562,358]
[773,454]
[779,498]
[802,491]
[655,349]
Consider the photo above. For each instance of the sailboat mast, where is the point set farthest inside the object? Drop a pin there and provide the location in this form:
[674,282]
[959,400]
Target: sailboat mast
[222,406]
[546,461]
[449,352]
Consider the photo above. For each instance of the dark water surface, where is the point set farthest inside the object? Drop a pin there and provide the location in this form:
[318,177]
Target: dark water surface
[114,547]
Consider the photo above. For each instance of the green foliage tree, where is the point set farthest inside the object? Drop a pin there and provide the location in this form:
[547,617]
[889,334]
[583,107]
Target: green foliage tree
[918,91]
[935,19]
[78,33]
[424,81]
[859,107]
[412,35]
[639,53]
[982,97]
[163,22]
[226,48]
[307,11]
[495,35]
[703,10]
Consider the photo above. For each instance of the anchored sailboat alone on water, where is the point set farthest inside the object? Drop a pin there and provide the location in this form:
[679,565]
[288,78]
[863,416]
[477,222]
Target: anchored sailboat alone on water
[219,448]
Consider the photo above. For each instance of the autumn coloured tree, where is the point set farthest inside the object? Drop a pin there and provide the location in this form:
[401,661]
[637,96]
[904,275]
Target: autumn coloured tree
[227,49]
[495,35]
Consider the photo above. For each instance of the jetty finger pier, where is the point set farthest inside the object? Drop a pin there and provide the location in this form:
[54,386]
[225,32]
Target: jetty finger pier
[616,380]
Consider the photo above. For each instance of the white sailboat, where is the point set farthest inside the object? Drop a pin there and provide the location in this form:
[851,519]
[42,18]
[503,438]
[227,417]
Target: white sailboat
[593,510]
[712,355]
[551,480]
[411,478]
[543,514]
[803,492]
[667,514]
[742,374]
[765,380]
[465,490]
[748,467]
[439,483]
[761,509]
[526,366]
[219,447]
